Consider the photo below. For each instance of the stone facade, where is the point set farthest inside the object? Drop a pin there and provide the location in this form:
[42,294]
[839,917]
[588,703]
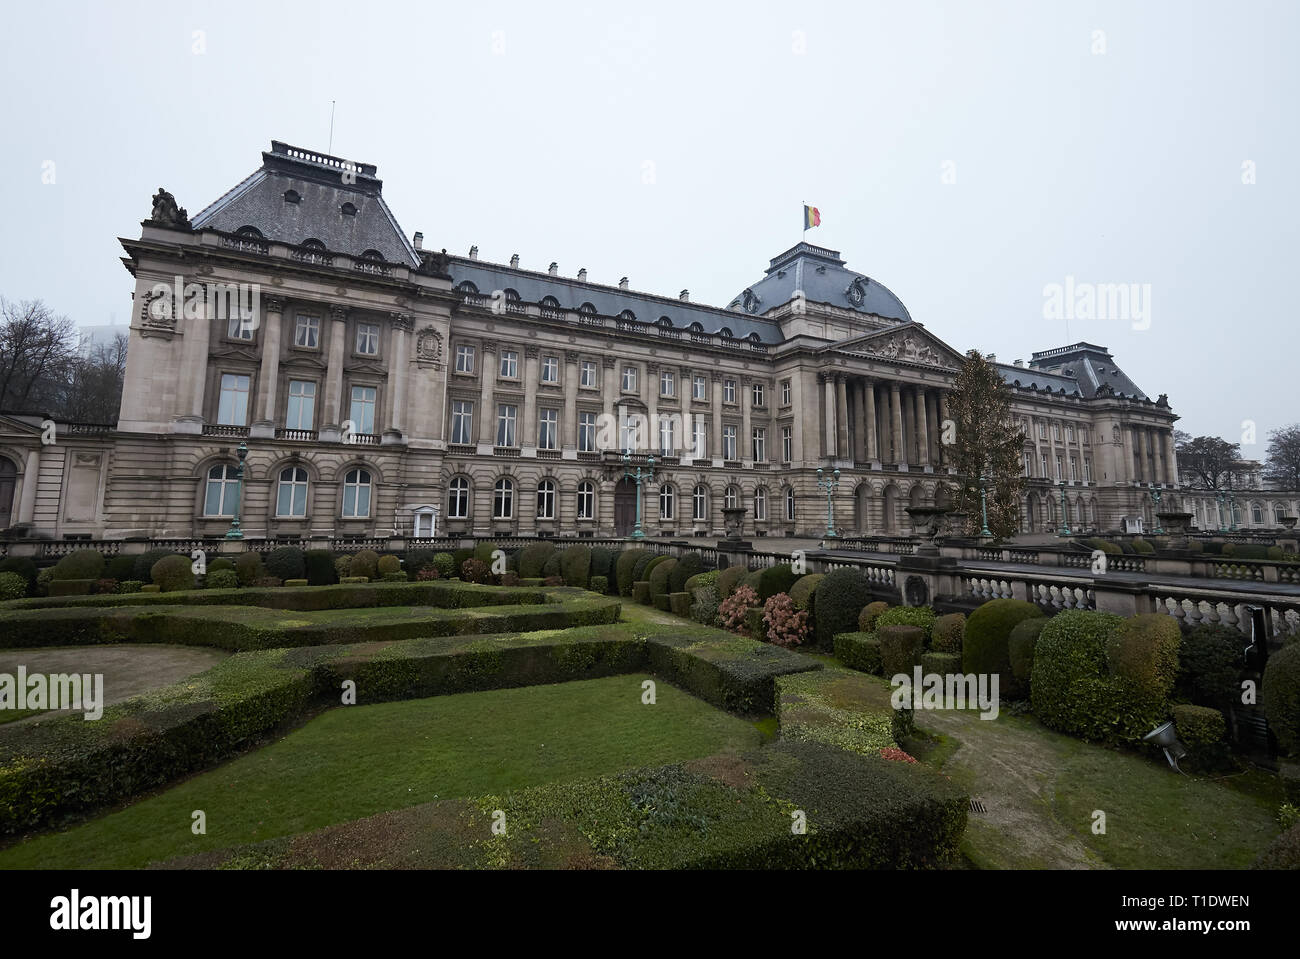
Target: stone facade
[376,384]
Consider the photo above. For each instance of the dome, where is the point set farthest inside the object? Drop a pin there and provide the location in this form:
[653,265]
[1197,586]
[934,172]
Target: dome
[821,275]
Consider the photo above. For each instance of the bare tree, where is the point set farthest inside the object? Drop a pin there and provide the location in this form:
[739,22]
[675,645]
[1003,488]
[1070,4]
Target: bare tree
[1212,462]
[94,388]
[36,350]
[1283,457]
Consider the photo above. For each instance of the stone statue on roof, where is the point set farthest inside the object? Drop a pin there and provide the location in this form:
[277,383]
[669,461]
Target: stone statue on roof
[166,213]
[435,264]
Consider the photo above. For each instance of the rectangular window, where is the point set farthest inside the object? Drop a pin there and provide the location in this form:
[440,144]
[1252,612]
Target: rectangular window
[700,388]
[233,407]
[307,332]
[363,409]
[509,364]
[787,444]
[700,438]
[728,391]
[1058,469]
[1042,430]
[1087,470]
[506,418]
[758,445]
[785,392]
[1042,465]
[1029,464]
[241,327]
[368,339]
[629,431]
[302,405]
[629,379]
[667,436]
[1074,469]
[462,421]
[1083,434]
[666,383]
[588,374]
[729,443]
[1069,434]
[1056,432]
[759,395]
[587,432]
[464,359]
[550,369]
[547,421]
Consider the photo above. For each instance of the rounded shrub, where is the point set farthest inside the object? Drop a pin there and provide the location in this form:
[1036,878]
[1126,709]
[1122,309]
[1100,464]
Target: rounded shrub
[1282,853]
[802,590]
[485,553]
[1068,688]
[551,567]
[320,567]
[1142,546]
[130,586]
[600,561]
[249,569]
[221,579]
[458,558]
[709,578]
[870,615]
[12,586]
[1210,661]
[1105,545]
[839,599]
[286,562]
[1020,650]
[921,617]
[388,565]
[775,579]
[343,567]
[984,644]
[1145,653]
[625,569]
[475,571]
[729,579]
[687,566]
[220,563]
[365,563]
[81,564]
[172,573]
[1280,697]
[659,577]
[900,648]
[575,566]
[612,574]
[597,584]
[25,567]
[1199,727]
[144,563]
[123,567]
[704,605]
[444,564]
[43,579]
[948,632]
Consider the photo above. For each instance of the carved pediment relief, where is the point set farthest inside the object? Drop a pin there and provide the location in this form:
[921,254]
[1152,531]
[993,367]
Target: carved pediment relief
[909,345]
[428,348]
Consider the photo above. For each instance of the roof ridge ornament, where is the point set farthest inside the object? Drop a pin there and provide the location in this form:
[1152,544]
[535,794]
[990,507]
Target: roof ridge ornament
[856,292]
[749,300]
[167,214]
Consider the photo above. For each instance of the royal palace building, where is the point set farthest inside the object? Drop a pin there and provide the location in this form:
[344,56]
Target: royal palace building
[379,387]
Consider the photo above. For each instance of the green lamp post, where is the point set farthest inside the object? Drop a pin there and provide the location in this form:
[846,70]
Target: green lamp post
[984,509]
[235,532]
[829,484]
[1065,514]
[640,476]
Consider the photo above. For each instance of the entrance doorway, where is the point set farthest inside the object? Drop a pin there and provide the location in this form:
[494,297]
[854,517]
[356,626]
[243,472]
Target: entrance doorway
[625,507]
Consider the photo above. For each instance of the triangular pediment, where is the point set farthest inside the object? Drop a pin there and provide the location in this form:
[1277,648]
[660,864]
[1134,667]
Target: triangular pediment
[908,343]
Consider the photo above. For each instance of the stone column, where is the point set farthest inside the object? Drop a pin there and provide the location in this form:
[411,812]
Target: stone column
[922,426]
[859,421]
[1130,468]
[842,448]
[528,421]
[31,477]
[796,424]
[652,407]
[197,337]
[569,417]
[828,413]
[932,411]
[398,362]
[869,420]
[715,440]
[746,450]
[686,392]
[487,420]
[1171,456]
[609,393]
[896,423]
[268,383]
[908,404]
[944,453]
[334,371]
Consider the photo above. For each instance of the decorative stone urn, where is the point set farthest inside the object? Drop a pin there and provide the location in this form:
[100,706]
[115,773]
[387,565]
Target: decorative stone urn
[1287,521]
[928,524]
[1175,525]
[733,521]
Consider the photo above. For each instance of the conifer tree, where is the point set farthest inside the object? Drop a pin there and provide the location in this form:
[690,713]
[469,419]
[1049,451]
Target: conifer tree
[985,443]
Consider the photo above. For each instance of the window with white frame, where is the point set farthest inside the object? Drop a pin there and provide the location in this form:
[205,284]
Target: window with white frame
[291,492]
[1029,464]
[700,438]
[1069,434]
[785,392]
[241,327]
[547,429]
[787,444]
[758,444]
[629,379]
[1074,469]
[550,369]
[232,406]
[503,499]
[507,416]
[728,391]
[356,494]
[667,501]
[760,503]
[667,383]
[301,412]
[729,443]
[629,431]
[758,395]
[1058,469]
[306,332]
[587,432]
[789,504]
[221,495]
[731,497]
[1042,465]
[588,375]
[1087,470]
[509,364]
[363,409]
[464,359]
[667,436]
[462,421]
[458,498]
[546,499]
[700,502]
[368,339]
[586,500]
[700,388]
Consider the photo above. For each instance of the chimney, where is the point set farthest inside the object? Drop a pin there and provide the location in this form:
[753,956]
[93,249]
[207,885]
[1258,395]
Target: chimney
[622,284]
[1020,363]
[684,295]
[553,269]
[418,242]
[514,261]
[992,357]
[473,252]
[582,275]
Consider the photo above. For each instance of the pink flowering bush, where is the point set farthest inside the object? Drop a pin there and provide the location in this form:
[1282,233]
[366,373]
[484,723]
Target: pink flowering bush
[889,752]
[733,609]
[785,625]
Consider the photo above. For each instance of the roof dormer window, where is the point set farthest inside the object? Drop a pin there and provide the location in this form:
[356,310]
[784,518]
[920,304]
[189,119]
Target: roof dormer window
[291,196]
[348,209]
[372,255]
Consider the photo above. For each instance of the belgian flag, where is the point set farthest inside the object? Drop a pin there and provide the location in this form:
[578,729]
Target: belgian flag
[811,217]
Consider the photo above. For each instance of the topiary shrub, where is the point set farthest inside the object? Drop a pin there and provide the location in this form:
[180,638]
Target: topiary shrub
[552,565]
[533,557]
[658,578]
[1145,654]
[486,553]
[1020,650]
[575,566]
[687,566]
[755,627]
[783,625]
[81,564]
[1106,546]
[458,558]
[475,571]
[1210,661]
[1142,546]
[900,648]
[600,561]
[444,564]
[921,617]
[320,567]
[343,567]
[802,590]
[12,586]
[729,579]
[295,582]
[775,579]
[704,605]
[220,563]
[173,573]
[1199,727]
[869,615]
[143,564]
[123,567]
[946,635]
[984,648]
[699,580]
[1282,853]
[941,664]
[753,579]
[598,584]
[645,568]
[43,580]
[612,574]
[365,563]
[25,567]
[1069,688]
[150,588]
[286,562]
[679,604]
[625,566]
[641,592]
[838,600]
[388,565]
[1280,697]
[135,586]
[249,569]
[860,651]
[221,579]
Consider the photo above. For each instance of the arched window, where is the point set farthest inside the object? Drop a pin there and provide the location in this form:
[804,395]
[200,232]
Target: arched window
[586,500]
[725,332]
[311,243]
[588,309]
[372,255]
[550,301]
[627,315]
[356,494]
[546,499]
[760,503]
[1256,514]
[512,296]
[731,498]
[458,498]
[465,286]
[789,503]
[291,496]
[503,499]
[1278,512]
[222,493]
[667,501]
[664,322]
[700,502]
[697,327]
[249,231]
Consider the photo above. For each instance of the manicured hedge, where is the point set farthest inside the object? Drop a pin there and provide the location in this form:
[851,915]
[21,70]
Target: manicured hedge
[248,567]
[729,579]
[687,566]
[775,579]
[801,592]
[948,632]
[985,648]
[173,573]
[12,586]
[1280,697]
[941,664]
[575,566]
[869,615]
[533,557]
[836,707]
[365,562]
[601,561]
[1020,650]
[1199,727]
[319,564]
[839,599]
[123,567]
[704,605]
[221,579]
[625,566]
[287,562]
[26,568]
[860,651]
[900,648]
[598,584]
[921,617]
[659,576]
[641,592]
[730,671]
[1210,662]
[680,604]
[80,564]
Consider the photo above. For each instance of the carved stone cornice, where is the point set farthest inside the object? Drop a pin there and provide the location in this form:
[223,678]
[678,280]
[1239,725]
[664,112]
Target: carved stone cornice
[402,321]
[274,304]
[339,314]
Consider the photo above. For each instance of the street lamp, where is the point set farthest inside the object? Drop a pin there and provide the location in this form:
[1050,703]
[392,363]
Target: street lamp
[1155,496]
[829,484]
[1219,496]
[639,476]
[1065,514]
[984,509]
[235,532]
[1232,510]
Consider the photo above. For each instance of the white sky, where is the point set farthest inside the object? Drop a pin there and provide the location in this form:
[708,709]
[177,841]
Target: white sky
[528,128]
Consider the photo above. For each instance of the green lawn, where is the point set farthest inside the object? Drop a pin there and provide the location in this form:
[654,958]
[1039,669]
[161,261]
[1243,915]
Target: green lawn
[360,760]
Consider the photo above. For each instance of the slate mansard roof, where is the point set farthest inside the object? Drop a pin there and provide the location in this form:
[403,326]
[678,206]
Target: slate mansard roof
[820,275]
[1082,369]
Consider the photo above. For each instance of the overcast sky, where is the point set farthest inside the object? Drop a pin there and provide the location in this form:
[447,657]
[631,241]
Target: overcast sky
[966,155]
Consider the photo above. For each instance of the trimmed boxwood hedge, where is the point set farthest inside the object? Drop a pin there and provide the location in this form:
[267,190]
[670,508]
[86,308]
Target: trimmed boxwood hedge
[687,566]
[532,559]
[1020,650]
[801,592]
[173,573]
[680,604]
[775,579]
[319,564]
[287,562]
[921,617]
[575,566]
[900,648]
[659,576]
[839,599]
[1280,697]
[1200,727]
[626,566]
[941,664]
[870,613]
[729,579]
[1210,662]
[947,634]
[860,651]
[641,592]
[600,561]
[984,647]
[80,564]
